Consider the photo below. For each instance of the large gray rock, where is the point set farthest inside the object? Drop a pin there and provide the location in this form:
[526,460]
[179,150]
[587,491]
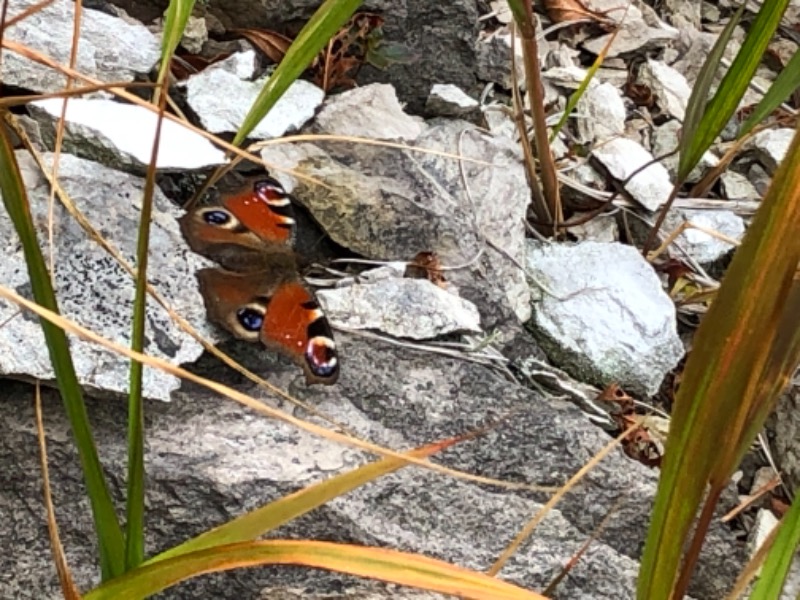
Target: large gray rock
[109,48]
[390,204]
[92,288]
[209,460]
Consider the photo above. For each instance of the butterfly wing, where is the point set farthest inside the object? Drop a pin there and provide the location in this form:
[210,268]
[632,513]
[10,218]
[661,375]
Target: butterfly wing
[252,222]
[275,308]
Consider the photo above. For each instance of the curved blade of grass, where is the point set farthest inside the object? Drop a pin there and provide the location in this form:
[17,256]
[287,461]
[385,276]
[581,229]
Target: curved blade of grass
[271,516]
[109,534]
[787,81]
[327,20]
[177,14]
[703,122]
[378,563]
[779,559]
[743,350]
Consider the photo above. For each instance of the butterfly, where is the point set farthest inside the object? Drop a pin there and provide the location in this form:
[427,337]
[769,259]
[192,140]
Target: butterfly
[258,294]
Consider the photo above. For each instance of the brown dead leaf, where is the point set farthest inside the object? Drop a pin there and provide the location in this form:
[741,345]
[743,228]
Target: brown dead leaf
[574,10]
[271,44]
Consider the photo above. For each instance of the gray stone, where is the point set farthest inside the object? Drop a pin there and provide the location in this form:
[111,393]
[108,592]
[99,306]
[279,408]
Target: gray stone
[665,140]
[603,316]
[493,59]
[771,146]
[702,247]
[737,187]
[390,204]
[600,114]
[93,289]
[404,308]
[195,34]
[372,111]
[225,112]
[449,100]
[622,157]
[109,48]
[669,87]
[121,135]
[209,460]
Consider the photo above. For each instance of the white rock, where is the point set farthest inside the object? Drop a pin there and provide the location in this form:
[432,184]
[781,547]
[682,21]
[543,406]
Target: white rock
[98,128]
[222,100]
[622,157]
[771,146]
[405,308]
[701,246]
[449,100]
[737,187]
[604,316]
[669,86]
[600,113]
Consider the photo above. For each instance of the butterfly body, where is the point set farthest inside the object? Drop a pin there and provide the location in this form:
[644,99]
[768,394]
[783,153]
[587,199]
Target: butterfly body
[258,295]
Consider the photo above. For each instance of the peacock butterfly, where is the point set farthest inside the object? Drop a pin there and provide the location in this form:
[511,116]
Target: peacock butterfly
[258,294]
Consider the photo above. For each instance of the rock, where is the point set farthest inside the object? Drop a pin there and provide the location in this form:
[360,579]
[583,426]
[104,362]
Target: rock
[602,228]
[195,34]
[493,59]
[447,100]
[92,288]
[786,426]
[638,30]
[372,112]
[403,308]
[600,114]
[604,317]
[224,460]
[771,146]
[109,48]
[665,141]
[622,157]
[225,112]
[121,135]
[670,88]
[736,186]
[764,524]
[702,247]
[389,204]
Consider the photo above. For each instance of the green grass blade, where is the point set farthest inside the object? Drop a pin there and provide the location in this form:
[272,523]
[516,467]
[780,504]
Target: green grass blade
[784,85]
[109,534]
[402,568]
[700,131]
[779,559]
[329,18]
[744,350]
[177,14]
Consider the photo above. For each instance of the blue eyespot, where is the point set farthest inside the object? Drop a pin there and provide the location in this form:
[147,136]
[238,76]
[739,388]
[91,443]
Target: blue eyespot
[250,318]
[216,217]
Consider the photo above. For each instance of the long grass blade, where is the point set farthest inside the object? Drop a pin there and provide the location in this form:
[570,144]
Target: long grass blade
[177,15]
[744,350]
[386,565]
[703,121]
[787,81]
[322,26]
